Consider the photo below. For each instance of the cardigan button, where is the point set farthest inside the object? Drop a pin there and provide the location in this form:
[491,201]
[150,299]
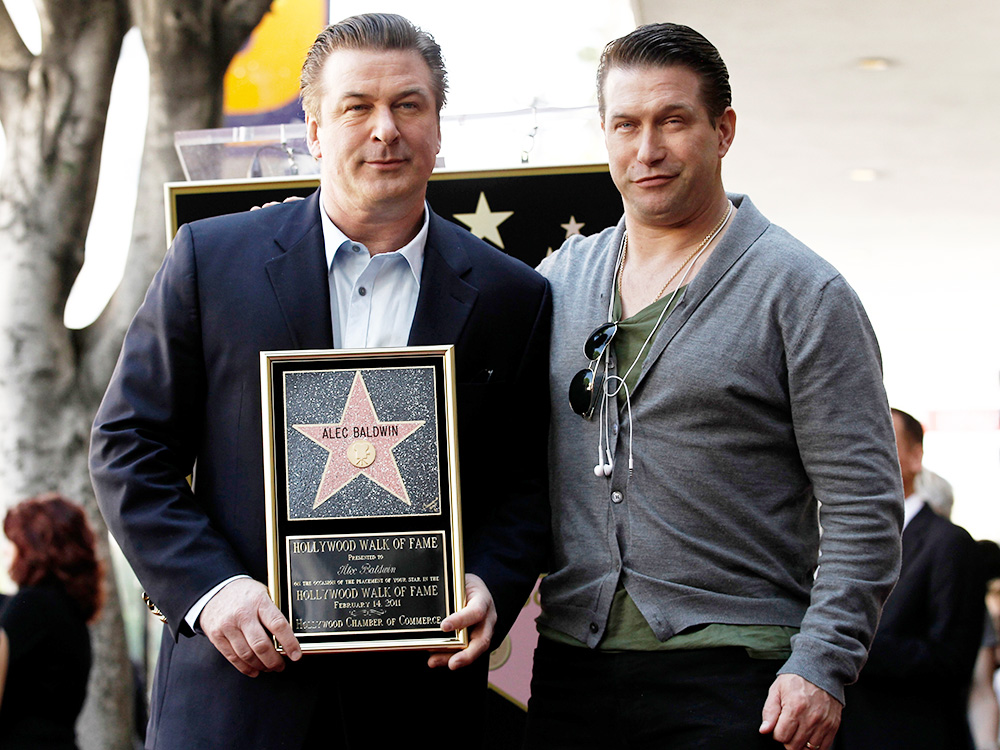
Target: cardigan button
[616,497]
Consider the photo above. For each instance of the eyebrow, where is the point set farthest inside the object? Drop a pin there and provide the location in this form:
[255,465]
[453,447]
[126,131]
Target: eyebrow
[413,90]
[674,107]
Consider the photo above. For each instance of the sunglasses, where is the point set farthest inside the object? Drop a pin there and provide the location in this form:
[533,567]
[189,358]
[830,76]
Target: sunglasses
[586,386]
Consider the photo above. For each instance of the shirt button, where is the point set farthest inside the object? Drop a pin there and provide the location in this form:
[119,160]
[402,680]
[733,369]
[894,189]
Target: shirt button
[616,497]
[614,428]
[356,248]
[593,627]
[362,291]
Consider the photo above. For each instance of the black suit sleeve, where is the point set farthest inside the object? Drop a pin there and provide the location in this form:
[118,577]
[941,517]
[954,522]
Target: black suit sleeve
[146,438]
[512,548]
[933,621]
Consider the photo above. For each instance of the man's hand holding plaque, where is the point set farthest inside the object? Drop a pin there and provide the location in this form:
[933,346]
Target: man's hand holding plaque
[240,620]
[479,615]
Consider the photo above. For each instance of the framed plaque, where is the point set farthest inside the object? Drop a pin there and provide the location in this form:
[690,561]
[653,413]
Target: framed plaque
[364,539]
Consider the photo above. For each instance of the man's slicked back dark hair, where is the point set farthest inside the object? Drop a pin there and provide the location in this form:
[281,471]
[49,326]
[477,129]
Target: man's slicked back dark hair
[662,45]
[370,31]
[911,426]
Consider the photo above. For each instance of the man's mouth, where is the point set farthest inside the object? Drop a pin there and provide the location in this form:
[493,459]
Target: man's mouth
[653,180]
[385,163]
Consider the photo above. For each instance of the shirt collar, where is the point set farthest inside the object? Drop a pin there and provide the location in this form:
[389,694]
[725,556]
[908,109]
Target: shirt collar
[412,252]
[912,506]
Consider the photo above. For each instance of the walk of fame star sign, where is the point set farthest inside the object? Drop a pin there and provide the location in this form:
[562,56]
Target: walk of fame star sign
[364,540]
[360,444]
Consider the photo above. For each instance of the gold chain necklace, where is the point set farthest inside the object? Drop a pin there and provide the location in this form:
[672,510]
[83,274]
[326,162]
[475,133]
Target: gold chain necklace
[701,246]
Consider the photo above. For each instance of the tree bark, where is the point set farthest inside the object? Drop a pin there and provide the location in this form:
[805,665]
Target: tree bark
[190,44]
[53,108]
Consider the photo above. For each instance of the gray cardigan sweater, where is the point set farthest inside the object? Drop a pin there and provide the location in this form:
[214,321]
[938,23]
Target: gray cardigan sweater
[759,416]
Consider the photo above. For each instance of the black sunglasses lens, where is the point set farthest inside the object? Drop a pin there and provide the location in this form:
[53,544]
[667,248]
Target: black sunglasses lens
[598,341]
[583,390]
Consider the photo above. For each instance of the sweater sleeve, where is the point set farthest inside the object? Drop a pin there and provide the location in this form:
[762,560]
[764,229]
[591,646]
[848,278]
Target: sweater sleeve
[845,439]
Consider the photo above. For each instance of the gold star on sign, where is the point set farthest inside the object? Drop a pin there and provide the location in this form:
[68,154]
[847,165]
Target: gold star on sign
[572,227]
[485,223]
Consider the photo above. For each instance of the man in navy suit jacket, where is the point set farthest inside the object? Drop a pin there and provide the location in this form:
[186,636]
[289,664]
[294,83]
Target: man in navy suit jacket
[913,691]
[185,399]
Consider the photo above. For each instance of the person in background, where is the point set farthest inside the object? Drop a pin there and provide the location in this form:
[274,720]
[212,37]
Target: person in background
[984,708]
[914,689]
[44,642]
[936,491]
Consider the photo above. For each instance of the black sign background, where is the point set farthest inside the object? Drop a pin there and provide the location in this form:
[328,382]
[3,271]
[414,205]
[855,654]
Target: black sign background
[542,200]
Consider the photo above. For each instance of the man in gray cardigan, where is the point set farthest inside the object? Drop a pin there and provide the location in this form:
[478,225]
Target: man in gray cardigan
[731,391]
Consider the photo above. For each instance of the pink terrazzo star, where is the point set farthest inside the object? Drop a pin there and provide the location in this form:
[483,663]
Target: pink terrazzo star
[359,425]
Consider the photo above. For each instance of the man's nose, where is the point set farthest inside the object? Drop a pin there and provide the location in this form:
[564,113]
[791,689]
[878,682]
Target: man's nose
[652,147]
[384,128]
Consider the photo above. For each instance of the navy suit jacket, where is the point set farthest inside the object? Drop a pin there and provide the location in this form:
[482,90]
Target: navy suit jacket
[912,693]
[185,398]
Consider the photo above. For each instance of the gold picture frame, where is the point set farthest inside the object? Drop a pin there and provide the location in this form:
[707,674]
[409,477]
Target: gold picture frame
[363,514]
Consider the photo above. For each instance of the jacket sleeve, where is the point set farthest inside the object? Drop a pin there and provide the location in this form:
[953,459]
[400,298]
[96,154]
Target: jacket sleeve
[512,549]
[938,622]
[146,439]
[843,430]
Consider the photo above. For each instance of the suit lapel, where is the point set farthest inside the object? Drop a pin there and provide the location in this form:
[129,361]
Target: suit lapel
[299,276]
[446,299]
[747,227]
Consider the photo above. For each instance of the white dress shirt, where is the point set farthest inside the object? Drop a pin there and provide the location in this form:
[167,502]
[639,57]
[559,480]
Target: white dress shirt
[912,506]
[372,297]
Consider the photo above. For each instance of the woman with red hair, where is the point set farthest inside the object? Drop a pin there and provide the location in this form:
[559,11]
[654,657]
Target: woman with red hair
[44,642]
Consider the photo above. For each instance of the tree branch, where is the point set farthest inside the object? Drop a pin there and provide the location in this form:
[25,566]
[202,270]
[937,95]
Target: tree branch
[14,54]
[15,61]
[235,20]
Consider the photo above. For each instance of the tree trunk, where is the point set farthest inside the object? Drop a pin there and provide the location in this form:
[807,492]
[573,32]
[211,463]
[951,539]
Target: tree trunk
[189,45]
[53,107]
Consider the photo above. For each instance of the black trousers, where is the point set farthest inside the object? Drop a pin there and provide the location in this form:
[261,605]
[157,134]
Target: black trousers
[709,699]
[394,700]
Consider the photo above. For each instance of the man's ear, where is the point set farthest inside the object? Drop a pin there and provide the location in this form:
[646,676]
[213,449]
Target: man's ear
[726,127]
[312,137]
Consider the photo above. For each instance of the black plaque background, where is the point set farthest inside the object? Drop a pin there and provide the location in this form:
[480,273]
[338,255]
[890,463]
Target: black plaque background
[285,527]
[389,596]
